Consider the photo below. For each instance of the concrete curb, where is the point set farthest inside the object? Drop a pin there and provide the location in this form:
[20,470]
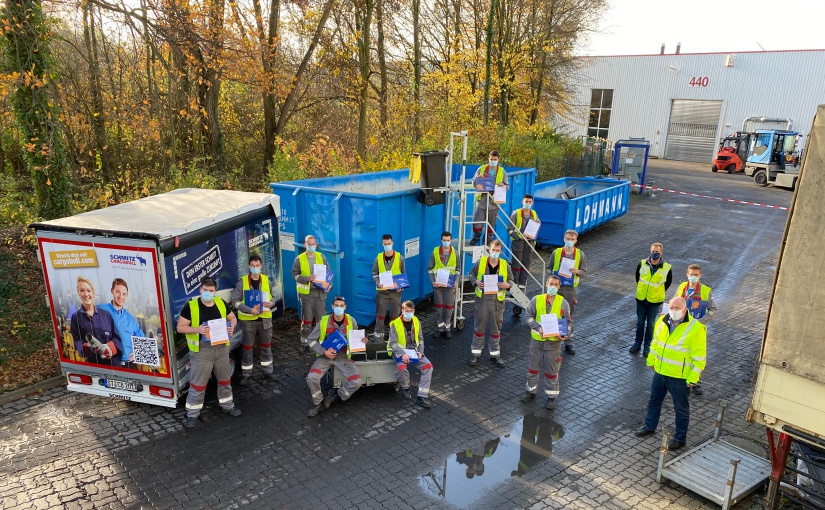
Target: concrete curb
[11,396]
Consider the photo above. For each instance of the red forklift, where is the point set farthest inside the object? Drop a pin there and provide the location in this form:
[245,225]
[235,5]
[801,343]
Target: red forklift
[733,152]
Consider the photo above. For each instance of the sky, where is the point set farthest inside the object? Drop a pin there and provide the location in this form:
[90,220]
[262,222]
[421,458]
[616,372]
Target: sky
[631,27]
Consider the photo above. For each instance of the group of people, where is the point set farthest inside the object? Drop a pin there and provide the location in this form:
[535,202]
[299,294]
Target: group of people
[672,337]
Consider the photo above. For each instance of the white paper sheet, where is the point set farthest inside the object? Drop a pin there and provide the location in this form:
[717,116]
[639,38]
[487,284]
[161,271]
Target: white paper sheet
[549,325]
[412,353]
[356,341]
[217,331]
[565,265]
[385,280]
[442,277]
[665,308]
[532,229]
[478,252]
[320,272]
[490,282]
[500,194]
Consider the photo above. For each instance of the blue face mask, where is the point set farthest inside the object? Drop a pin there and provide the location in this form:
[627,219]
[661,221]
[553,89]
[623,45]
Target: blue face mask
[207,296]
[493,163]
[255,270]
[311,249]
[527,206]
[338,310]
[445,244]
[569,244]
[387,248]
[408,316]
[495,255]
[551,291]
[693,279]
[655,256]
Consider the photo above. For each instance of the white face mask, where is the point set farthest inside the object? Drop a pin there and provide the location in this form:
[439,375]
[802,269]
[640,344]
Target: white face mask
[493,163]
[676,315]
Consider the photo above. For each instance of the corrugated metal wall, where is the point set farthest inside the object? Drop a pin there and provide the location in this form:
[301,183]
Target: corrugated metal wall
[771,84]
[691,134]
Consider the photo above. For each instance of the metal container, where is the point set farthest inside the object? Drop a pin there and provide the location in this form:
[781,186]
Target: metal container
[577,203]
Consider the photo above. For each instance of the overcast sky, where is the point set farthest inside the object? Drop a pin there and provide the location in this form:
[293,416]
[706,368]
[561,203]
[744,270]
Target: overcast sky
[631,27]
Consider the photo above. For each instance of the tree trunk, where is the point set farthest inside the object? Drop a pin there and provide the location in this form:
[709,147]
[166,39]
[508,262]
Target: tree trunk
[382,68]
[416,13]
[268,39]
[488,61]
[363,20]
[98,117]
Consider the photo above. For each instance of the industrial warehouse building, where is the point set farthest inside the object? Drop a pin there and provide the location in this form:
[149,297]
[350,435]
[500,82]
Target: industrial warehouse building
[684,103]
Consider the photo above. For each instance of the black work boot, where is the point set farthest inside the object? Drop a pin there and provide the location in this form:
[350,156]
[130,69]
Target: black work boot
[527,397]
[473,361]
[314,410]
[331,398]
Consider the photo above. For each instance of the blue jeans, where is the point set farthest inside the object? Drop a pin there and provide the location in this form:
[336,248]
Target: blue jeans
[679,391]
[646,315]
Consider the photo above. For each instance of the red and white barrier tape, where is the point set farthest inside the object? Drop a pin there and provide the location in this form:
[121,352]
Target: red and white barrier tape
[713,198]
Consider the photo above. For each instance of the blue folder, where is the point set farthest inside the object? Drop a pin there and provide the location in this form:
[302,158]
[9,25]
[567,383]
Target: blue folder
[398,359]
[485,183]
[253,297]
[566,282]
[335,341]
[697,308]
[401,281]
[330,276]
[563,331]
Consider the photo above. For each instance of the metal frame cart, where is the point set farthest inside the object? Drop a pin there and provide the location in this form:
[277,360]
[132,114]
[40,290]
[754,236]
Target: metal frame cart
[457,222]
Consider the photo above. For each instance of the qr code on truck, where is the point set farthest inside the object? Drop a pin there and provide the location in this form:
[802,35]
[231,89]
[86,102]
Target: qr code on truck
[145,351]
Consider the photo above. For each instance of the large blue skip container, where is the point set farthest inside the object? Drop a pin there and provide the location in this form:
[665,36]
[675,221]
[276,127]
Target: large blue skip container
[349,214]
[577,203]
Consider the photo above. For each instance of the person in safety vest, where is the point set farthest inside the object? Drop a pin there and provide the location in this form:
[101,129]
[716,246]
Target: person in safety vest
[537,436]
[204,356]
[700,303]
[473,458]
[570,282]
[392,261]
[489,306]
[677,357]
[444,257]
[545,351]
[486,210]
[406,335]
[256,321]
[522,245]
[312,297]
[338,320]
[653,278]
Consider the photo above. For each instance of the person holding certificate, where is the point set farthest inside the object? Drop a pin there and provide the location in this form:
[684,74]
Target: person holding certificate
[524,225]
[570,265]
[207,351]
[700,303]
[546,317]
[491,278]
[342,322]
[406,346]
[312,296]
[253,300]
[387,294]
[443,270]
[486,208]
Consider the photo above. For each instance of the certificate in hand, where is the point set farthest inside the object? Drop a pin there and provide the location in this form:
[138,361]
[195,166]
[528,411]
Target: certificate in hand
[320,272]
[532,229]
[442,277]
[385,280]
[490,282]
[665,308]
[327,283]
[549,325]
[500,194]
[217,332]
[356,341]
[565,265]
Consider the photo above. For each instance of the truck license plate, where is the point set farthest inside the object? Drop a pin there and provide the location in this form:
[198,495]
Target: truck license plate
[115,384]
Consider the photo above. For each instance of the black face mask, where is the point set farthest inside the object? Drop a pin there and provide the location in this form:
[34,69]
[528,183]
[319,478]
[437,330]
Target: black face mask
[655,256]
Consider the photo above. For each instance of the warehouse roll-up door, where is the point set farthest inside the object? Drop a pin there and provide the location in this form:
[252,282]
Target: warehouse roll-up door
[691,135]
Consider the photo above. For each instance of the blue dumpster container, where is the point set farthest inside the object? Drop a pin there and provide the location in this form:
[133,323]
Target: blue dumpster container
[349,214]
[577,203]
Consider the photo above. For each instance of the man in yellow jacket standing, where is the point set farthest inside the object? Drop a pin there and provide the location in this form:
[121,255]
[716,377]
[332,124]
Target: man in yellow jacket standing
[677,356]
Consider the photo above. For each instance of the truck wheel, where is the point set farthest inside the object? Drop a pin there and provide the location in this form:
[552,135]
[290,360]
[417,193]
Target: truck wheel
[730,168]
[760,177]
[713,168]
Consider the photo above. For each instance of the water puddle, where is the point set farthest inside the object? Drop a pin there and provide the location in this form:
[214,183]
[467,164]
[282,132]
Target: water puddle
[467,475]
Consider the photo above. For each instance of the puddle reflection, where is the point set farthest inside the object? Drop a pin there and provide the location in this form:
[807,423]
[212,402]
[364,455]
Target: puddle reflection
[467,475]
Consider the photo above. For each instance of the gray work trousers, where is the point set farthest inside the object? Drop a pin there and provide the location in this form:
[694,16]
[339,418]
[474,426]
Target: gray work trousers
[402,373]
[488,311]
[484,211]
[522,258]
[386,299]
[313,307]
[544,356]
[444,298]
[570,294]
[322,366]
[255,330]
[207,360]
